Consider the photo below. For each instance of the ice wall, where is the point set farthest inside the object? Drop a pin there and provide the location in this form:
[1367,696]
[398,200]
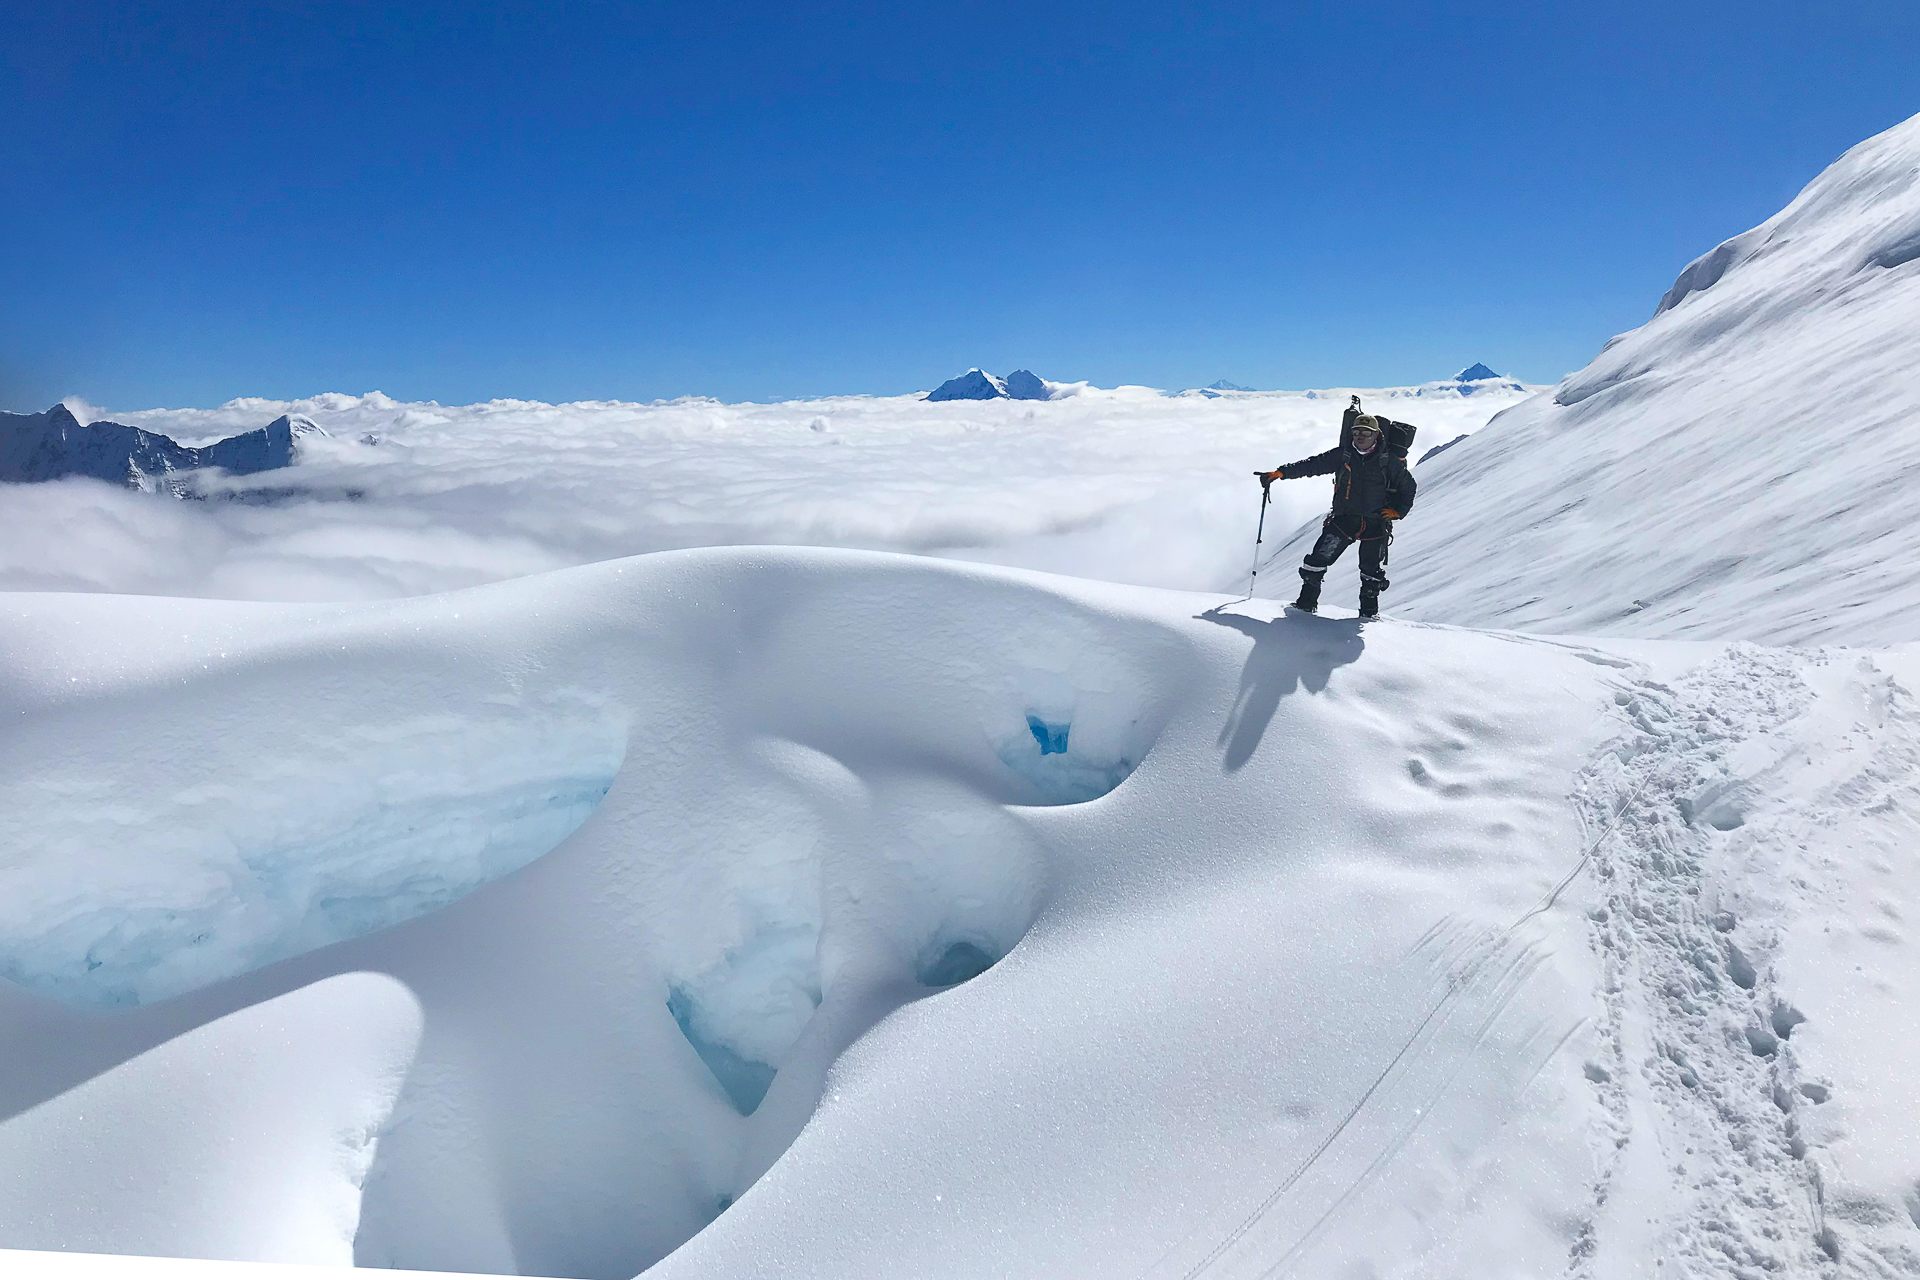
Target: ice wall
[226,828]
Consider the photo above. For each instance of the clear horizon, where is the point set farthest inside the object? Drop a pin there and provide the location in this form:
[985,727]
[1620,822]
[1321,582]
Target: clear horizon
[456,203]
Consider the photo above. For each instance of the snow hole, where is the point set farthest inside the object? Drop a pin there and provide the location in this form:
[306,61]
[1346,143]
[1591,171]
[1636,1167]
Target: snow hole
[933,885]
[1075,743]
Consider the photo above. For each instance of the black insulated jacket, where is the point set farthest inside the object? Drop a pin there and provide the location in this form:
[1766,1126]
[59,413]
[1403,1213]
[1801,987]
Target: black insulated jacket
[1364,484]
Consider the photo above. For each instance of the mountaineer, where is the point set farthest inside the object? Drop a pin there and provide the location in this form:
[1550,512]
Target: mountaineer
[1372,488]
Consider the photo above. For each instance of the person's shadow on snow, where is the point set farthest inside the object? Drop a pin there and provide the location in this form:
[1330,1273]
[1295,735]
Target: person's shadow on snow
[1294,650]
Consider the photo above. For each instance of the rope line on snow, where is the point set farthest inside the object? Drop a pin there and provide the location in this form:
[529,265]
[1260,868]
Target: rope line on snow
[1394,1147]
[1613,821]
[1300,1170]
[1455,984]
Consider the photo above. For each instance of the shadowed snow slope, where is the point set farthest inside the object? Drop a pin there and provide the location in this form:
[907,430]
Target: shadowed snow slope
[1741,466]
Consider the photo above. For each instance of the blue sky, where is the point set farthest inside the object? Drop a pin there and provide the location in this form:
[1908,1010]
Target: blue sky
[594,200]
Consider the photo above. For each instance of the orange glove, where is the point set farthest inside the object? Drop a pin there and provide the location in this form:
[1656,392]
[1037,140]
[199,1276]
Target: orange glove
[1389,513]
[1268,477]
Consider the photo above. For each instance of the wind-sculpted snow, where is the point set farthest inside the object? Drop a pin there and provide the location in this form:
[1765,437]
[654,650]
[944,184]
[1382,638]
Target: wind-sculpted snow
[900,917]
[1125,485]
[1738,467]
[247,1137]
[1012,899]
[939,920]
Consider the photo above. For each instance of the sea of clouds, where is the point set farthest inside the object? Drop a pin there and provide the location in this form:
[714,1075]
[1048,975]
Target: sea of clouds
[1128,485]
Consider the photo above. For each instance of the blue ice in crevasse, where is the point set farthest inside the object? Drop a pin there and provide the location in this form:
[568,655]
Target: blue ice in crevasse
[381,867]
[1051,737]
[1066,768]
[745,1081]
[958,962]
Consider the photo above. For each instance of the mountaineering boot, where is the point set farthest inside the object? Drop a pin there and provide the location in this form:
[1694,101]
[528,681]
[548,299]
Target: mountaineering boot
[1369,599]
[1309,601]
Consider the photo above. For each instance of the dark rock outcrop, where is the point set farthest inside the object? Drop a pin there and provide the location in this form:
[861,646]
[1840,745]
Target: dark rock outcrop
[53,445]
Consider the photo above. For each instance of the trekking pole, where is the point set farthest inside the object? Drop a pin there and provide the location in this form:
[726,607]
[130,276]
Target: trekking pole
[1266,496]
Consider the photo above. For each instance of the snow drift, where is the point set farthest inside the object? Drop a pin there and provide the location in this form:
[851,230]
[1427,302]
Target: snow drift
[1736,467]
[1141,829]
[946,921]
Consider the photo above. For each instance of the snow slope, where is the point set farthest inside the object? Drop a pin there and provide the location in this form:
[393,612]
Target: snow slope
[835,774]
[1740,466]
[1125,485]
[1312,949]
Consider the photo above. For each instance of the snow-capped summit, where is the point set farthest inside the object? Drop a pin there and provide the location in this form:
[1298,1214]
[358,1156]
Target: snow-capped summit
[297,425]
[1477,378]
[974,384]
[53,445]
[1223,385]
[977,384]
[1739,466]
[1024,385]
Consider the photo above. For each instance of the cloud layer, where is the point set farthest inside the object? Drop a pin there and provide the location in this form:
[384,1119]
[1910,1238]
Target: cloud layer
[1126,485]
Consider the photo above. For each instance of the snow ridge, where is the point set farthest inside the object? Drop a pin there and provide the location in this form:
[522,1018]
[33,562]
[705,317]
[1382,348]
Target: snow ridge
[1733,469]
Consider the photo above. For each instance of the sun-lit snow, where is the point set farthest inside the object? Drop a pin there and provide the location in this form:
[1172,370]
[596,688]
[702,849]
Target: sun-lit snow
[823,796]
[245,1137]
[813,912]
[1740,466]
[230,838]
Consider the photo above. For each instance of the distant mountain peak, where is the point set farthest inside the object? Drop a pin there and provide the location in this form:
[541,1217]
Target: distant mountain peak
[974,384]
[1224,385]
[1475,373]
[978,384]
[1024,385]
[54,445]
[297,425]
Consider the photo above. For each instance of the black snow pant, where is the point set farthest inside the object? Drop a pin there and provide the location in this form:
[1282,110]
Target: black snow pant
[1373,533]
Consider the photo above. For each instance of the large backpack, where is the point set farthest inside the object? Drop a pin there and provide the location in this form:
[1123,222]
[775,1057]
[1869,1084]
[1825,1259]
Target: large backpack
[1398,435]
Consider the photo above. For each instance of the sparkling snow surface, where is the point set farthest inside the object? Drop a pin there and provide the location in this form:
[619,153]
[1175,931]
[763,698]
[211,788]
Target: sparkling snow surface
[1315,836]
[809,912]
